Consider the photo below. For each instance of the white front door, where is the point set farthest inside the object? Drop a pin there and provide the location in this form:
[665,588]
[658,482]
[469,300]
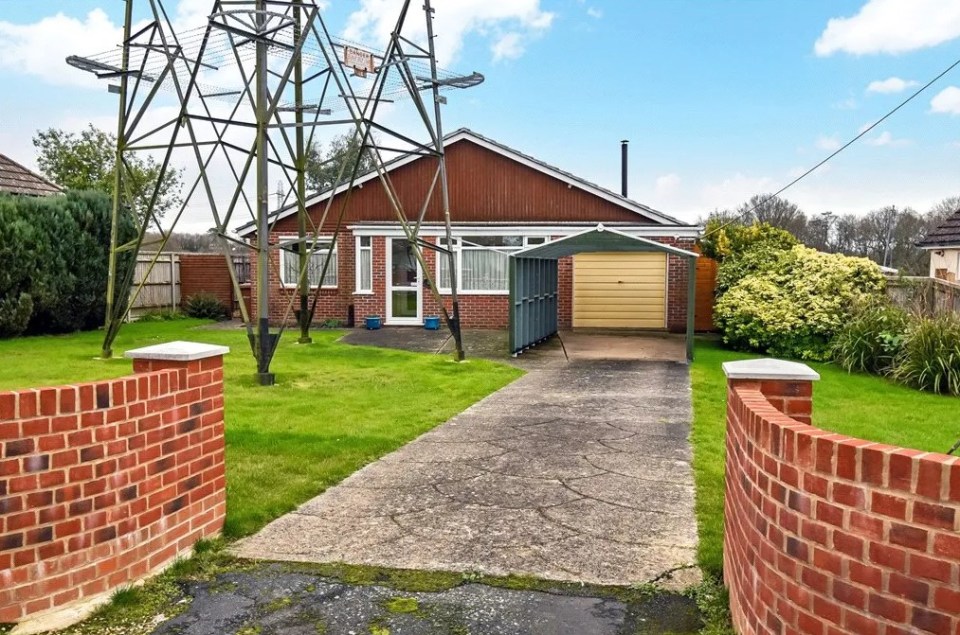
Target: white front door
[404,286]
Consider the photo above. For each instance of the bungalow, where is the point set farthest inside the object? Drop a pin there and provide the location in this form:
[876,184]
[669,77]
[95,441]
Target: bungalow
[502,201]
[943,243]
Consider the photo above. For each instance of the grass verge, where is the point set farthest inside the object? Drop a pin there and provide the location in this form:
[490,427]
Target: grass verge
[334,409]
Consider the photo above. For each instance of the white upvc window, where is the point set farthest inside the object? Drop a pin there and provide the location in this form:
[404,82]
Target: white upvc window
[483,262]
[364,264]
[319,249]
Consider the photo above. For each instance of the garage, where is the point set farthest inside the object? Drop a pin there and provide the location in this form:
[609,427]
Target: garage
[618,290]
[620,281]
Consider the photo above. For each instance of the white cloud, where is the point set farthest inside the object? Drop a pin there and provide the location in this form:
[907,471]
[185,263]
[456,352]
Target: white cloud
[40,48]
[847,104]
[667,184]
[891,26]
[827,143]
[885,139]
[891,85]
[508,47]
[735,190]
[509,24]
[595,13]
[947,101]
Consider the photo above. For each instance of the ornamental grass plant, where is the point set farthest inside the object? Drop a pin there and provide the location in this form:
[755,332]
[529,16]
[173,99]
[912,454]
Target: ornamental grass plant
[930,357]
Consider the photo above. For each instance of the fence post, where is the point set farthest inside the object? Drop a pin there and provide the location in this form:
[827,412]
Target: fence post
[173,283]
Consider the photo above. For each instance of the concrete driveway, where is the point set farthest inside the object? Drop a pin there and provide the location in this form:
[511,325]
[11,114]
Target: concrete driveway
[576,472]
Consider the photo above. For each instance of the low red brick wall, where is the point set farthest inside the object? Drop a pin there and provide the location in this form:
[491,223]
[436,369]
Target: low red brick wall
[103,483]
[826,534]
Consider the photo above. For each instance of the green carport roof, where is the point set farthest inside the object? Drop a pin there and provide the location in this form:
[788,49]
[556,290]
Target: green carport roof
[599,238]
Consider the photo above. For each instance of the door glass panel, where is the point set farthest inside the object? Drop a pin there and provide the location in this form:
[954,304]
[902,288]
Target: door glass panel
[404,264]
[404,304]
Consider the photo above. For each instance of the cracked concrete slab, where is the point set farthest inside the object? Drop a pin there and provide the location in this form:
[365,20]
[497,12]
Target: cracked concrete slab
[577,472]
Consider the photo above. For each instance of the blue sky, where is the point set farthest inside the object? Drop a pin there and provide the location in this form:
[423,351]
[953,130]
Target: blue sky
[720,99]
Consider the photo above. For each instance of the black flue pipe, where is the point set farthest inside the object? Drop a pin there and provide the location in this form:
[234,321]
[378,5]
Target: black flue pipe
[624,151]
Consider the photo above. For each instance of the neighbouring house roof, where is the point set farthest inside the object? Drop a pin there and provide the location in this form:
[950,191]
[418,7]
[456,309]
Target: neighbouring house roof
[18,180]
[642,211]
[946,235]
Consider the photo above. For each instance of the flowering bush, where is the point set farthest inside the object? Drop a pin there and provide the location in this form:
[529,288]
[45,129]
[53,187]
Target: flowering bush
[794,304]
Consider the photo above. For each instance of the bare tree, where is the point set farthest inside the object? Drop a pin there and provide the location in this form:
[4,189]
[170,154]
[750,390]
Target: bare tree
[776,211]
[819,231]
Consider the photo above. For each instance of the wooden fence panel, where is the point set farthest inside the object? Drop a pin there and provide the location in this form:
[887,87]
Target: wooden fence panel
[927,296]
[706,294]
[161,286]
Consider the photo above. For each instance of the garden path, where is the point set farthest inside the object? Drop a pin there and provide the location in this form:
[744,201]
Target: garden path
[576,472]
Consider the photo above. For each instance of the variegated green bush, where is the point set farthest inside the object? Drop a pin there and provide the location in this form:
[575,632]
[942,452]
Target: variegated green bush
[797,303]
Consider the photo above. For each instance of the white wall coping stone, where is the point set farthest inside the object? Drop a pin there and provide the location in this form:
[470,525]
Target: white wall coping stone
[177,351]
[769,369]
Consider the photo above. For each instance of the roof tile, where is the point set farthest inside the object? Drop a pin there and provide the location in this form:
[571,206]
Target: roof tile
[946,235]
[16,179]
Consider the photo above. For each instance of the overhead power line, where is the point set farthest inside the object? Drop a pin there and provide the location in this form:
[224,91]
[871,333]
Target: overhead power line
[862,133]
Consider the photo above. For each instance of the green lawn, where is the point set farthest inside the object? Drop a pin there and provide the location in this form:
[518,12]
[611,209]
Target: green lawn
[335,407]
[861,406]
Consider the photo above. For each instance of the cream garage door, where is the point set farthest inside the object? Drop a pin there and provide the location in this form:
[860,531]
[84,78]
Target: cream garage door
[620,290]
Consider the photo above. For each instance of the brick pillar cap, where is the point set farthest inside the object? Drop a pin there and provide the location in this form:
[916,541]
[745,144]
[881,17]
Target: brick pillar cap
[769,369]
[177,351]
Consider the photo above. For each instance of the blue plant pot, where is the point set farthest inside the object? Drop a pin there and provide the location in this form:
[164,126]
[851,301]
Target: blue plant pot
[372,322]
[431,323]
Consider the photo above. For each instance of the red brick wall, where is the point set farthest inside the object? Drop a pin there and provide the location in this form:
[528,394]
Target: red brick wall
[477,311]
[205,273]
[826,534]
[103,483]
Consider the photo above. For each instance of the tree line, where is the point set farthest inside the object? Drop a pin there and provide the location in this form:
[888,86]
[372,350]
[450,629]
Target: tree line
[888,235]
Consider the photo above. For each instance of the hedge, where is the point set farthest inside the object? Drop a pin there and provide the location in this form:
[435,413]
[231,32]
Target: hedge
[53,262]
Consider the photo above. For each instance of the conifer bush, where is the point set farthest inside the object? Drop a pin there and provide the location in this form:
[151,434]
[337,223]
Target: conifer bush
[53,262]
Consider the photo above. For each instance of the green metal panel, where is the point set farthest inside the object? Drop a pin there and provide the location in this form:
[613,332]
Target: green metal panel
[534,297]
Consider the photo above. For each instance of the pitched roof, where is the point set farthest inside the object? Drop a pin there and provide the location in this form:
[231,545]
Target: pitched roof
[504,150]
[16,179]
[946,235]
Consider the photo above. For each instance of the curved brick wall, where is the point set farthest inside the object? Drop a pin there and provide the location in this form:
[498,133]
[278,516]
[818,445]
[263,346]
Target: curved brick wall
[102,483]
[826,534]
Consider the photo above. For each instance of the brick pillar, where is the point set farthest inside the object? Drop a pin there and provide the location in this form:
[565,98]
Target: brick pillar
[203,363]
[788,386]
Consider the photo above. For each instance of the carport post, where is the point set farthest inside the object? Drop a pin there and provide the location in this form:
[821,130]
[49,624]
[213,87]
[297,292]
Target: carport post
[691,303]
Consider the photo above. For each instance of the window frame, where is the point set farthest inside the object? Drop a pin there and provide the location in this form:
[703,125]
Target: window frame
[359,251]
[308,244]
[458,248]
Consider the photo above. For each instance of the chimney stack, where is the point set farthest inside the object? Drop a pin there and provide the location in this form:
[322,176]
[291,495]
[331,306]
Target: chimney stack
[624,151]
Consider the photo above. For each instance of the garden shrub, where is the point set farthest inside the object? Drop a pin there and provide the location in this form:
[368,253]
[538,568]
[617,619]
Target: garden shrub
[930,358]
[742,250]
[53,262]
[872,339]
[205,306]
[794,305]
[162,315]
